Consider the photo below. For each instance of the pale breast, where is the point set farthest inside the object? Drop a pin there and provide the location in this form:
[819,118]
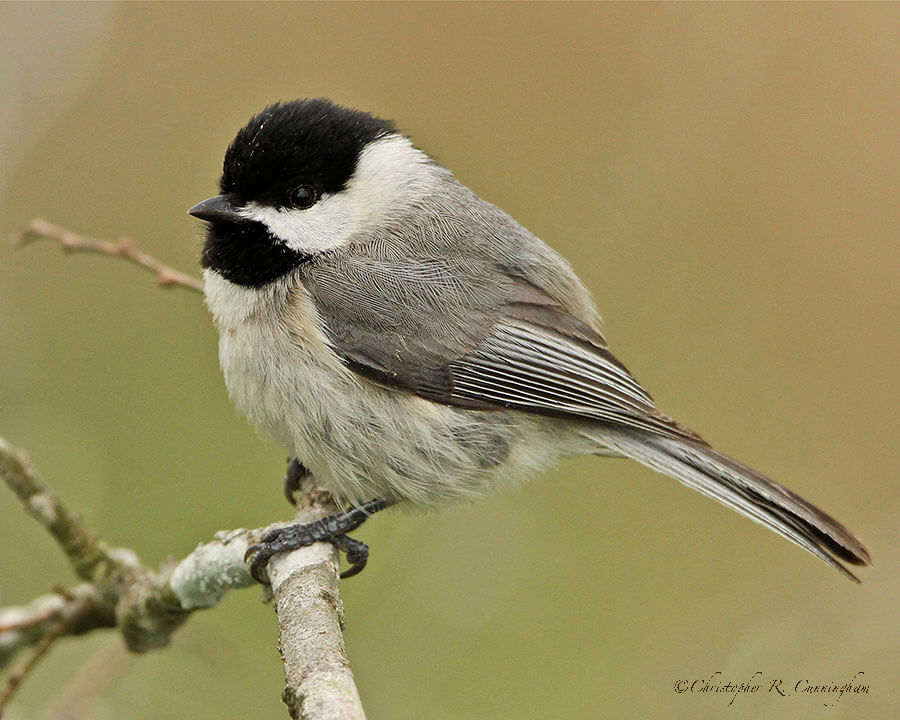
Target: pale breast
[359,439]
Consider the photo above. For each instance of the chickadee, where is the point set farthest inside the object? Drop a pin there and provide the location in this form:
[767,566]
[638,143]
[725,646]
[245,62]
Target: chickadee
[408,342]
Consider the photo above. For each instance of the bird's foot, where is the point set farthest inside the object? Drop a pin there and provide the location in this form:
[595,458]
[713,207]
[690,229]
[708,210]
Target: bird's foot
[333,529]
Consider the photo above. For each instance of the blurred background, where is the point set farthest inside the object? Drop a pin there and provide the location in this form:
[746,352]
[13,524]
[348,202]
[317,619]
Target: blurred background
[724,178]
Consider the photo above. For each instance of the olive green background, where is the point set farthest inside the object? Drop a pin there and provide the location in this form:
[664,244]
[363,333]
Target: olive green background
[724,178]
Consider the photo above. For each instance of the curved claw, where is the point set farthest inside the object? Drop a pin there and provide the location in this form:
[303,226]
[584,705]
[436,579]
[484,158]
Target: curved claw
[260,555]
[293,479]
[357,553]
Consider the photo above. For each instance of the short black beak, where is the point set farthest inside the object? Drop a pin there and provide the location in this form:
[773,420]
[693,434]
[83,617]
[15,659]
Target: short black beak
[216,208]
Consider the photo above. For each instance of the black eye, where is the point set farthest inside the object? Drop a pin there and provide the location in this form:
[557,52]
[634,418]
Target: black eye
[303,196]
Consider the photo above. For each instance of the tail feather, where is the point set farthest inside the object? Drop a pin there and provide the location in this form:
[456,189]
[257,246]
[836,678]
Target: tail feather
[743,489]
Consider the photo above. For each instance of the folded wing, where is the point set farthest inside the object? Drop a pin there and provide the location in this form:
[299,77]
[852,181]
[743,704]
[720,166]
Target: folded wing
[510,346]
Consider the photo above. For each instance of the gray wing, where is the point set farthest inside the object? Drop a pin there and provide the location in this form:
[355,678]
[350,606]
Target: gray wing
[497,341]
[491,341]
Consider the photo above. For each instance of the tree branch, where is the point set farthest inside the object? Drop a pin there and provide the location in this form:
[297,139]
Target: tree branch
[148,606]
[81,609]
[84,550]
[318,679]
[122,248]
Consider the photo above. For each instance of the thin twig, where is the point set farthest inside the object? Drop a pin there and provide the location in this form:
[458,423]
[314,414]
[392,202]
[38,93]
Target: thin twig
[28,622]
[23,626]
[123,248]
[82,608]
[39,651]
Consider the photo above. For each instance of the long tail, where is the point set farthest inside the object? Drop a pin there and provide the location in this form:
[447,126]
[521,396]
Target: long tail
[741,488]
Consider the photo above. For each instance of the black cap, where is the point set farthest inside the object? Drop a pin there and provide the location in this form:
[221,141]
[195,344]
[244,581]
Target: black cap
[304,142]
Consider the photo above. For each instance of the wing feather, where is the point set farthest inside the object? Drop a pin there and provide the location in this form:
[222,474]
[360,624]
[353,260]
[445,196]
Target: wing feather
[536,370]
[460,339]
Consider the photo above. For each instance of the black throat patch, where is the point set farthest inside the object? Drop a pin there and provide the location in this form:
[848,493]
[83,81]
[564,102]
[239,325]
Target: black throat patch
[245,253]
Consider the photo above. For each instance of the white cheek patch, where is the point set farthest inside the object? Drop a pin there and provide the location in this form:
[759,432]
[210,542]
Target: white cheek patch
[325,225]
[391,176]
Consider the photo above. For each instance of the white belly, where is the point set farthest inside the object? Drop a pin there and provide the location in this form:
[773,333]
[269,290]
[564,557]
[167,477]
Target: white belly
[361,440]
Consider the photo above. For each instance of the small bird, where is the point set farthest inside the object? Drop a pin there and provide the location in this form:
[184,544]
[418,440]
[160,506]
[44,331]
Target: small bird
[410,343]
